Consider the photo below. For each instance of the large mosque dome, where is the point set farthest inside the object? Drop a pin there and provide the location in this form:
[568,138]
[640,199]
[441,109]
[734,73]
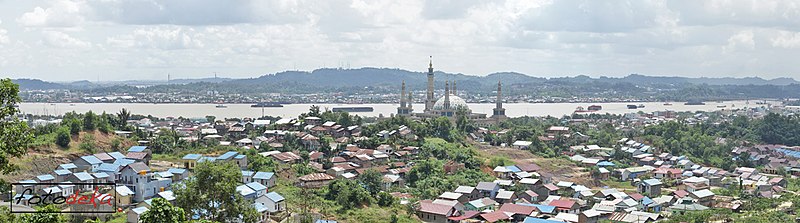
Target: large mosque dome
[456,103]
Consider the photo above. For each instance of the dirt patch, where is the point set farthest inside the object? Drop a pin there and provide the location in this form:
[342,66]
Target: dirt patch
[561,169]
[46,158]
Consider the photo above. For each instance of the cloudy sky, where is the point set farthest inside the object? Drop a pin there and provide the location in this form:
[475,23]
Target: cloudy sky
[63,40]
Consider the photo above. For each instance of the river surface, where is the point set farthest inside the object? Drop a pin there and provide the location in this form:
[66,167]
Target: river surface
[292,110]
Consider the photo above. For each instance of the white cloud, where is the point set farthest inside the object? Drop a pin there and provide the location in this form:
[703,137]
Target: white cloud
[59,13]
[3,34]
[787,39]
[741,40]
[62,40]
[165,38]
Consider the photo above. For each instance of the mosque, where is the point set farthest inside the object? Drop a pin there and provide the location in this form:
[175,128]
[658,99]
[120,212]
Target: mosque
[449,104]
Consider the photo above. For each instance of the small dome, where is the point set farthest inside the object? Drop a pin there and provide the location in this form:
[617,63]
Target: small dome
[456,103]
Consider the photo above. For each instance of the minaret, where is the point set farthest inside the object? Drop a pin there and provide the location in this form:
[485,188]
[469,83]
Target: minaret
[499,113]
[454,88]
[409,103]
[403,95]
[446,95]
[405,106]
[429,100]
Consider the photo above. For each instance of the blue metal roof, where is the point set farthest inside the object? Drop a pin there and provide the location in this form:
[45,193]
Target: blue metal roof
[100,175]
[646,201]
[207,159]
[513,169]
[274,196]
[259,207]
[83,176]
[256,186]
[124,190]
[62,172]
[263,175]
[325,221]
[137,148]
[124,161]
[191,156]
[539,220]
[244,190]
[139,210]
[177,170]
[45,177]
[542,208]
[116,155]
[108,167]
[240,156]
[91,159]
[228,155]
[67,166]
[605,163]
[247,173]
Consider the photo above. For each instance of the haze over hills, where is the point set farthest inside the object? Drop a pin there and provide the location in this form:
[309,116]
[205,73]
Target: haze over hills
[334,77]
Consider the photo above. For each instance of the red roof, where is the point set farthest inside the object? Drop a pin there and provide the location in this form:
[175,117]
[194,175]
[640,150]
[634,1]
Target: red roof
[465,216]
[517,209]
[636,196]
[531,167]
[551,187]
[495,216]
[563,204]
[136,155]
[680,193]
[437,209]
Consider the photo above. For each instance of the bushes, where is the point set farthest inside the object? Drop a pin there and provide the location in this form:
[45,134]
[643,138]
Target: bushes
[63,137]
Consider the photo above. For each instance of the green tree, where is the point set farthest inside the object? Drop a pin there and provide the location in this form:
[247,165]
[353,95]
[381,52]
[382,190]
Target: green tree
[211,118]
[212,194]
[122,117]
[348,194]
[15,134]
[385,199]
[42,215]
[5,215]
[161,211]
[372,180]
[89,121]
[62,137]
[74,127]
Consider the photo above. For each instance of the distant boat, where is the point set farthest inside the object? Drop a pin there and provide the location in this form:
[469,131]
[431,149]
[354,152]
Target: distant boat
[71,104]
[632,107]
[721,106]
[595,108]
[694,103]
[352,109]
[580,109]
[267,105]
[221,106]
[668,104]
[640,106]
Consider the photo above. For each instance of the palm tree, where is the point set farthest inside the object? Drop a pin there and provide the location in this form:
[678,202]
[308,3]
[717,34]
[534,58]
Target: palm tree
[123,116]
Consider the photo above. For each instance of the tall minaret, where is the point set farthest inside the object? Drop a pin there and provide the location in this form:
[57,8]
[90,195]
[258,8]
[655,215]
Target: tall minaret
[405,106]
[403,95]
[446,95]
[409,103]
[499,112]
[454,88]
[429,100]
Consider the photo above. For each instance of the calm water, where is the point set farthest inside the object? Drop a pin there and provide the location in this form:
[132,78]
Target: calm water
[244,110]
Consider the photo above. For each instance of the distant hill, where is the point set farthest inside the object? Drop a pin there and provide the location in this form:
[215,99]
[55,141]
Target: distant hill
[36,84]
[391,77]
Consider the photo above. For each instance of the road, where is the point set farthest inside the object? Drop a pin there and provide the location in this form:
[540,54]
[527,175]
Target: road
[16,207]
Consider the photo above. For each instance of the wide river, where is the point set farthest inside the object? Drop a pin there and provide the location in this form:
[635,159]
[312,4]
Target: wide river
[292,110]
